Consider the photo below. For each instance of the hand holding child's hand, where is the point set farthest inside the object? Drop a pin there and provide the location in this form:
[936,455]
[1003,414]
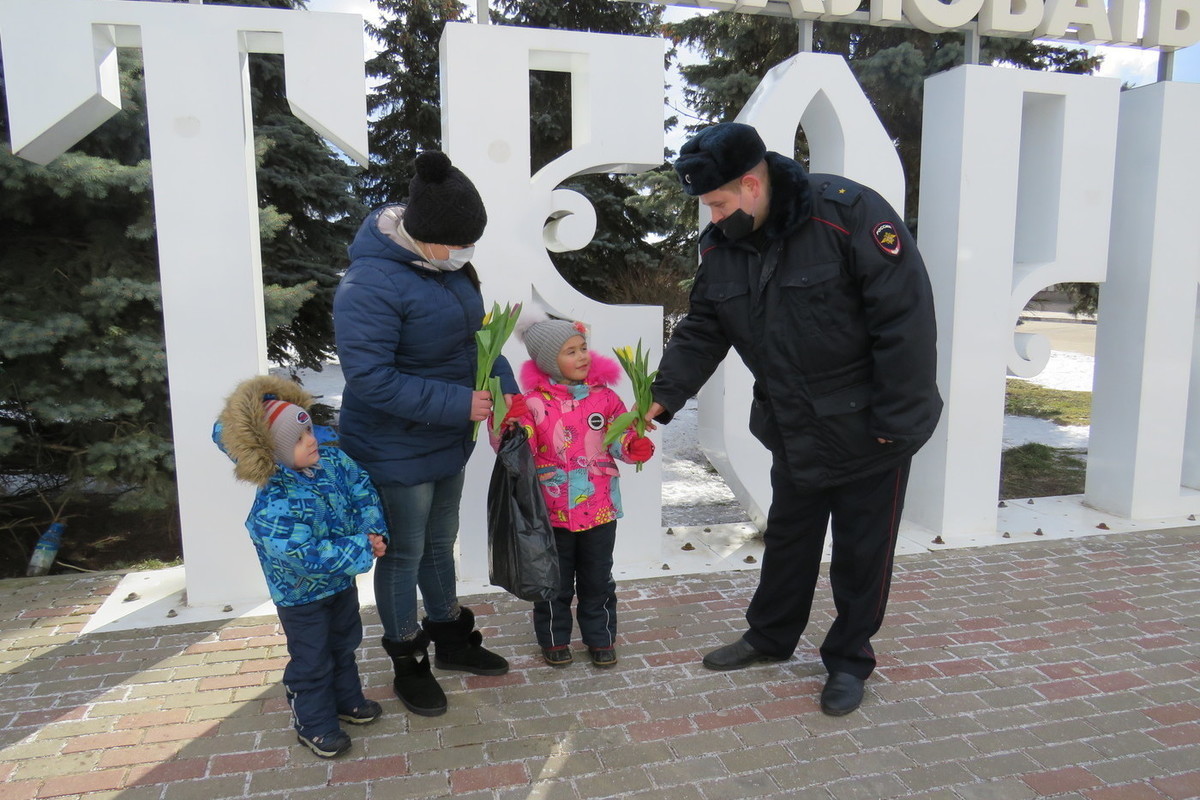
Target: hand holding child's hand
[640,449]
[378,545]
[654,410]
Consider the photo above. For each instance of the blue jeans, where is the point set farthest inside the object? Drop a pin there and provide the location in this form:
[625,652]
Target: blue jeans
[321,679]
[422,528]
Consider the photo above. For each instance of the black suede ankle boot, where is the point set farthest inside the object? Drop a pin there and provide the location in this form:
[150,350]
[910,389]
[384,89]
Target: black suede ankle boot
[457,645]
[414,684]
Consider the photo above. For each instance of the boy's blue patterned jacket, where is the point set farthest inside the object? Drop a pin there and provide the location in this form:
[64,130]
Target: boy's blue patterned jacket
[310,531]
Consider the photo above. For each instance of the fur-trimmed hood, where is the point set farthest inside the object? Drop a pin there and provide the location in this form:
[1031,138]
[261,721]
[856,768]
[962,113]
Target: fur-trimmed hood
[603,371]
[242,432]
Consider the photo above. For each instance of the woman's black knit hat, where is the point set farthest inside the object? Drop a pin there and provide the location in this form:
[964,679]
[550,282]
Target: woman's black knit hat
[444,207]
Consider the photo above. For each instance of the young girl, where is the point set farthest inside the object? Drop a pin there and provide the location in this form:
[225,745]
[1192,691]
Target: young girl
[566,410]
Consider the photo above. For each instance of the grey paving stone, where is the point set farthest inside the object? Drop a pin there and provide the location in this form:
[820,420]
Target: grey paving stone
[970,727]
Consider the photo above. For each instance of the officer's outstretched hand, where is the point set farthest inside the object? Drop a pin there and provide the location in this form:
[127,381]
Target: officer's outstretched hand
[655,410]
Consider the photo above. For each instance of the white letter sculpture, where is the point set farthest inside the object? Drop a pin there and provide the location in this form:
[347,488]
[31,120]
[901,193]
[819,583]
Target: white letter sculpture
[1016,193]
[616,126]
[1144,448]
[61,82]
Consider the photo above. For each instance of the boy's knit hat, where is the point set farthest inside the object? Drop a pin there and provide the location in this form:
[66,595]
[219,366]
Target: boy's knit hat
[286,421]
[444,207]
[545,338]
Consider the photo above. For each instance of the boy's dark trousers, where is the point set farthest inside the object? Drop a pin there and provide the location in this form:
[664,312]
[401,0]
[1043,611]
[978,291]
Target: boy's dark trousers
[585,562]
[322,677]
[866,518]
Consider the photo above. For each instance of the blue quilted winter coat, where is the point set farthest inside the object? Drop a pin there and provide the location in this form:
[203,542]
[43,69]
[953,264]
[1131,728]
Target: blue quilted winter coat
[309,530]
[406,342]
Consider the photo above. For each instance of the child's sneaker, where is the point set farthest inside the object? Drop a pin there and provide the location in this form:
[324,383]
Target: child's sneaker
[603,657]
[330,745]
[365,714]
[559,656]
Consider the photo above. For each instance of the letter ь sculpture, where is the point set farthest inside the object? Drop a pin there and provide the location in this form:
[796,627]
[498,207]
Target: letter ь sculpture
[616,126]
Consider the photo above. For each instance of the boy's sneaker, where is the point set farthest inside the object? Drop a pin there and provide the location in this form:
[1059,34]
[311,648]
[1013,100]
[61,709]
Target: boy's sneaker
[330,745]
[365,714]
[559,656]
[603,657]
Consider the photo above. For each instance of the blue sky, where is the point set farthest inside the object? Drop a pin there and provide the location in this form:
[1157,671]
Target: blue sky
[1130,64]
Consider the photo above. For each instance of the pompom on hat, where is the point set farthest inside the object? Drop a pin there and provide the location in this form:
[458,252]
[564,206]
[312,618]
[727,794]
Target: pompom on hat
[717,155]
[544,337]
[286,422]
[444,207]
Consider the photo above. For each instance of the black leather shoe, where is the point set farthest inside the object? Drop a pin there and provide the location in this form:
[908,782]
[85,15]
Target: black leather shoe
[842,694]
[738,655]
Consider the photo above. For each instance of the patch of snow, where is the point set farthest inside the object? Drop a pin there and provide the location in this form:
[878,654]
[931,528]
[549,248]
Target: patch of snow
[1065,371]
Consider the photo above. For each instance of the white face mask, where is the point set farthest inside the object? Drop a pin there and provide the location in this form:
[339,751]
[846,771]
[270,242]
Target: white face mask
[457,260]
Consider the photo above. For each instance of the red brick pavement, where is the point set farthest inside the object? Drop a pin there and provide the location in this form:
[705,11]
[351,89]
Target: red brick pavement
[1062,669]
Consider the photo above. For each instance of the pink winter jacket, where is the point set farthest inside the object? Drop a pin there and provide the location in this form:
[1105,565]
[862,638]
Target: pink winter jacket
[566,426]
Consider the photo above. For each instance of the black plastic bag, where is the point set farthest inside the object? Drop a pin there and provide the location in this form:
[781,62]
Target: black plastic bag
[522,558]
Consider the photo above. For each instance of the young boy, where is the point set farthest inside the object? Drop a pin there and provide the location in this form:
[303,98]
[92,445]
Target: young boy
[316,522]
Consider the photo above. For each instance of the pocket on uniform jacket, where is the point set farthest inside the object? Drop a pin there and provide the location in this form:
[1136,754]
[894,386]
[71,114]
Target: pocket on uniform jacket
[812,275]
[763,425]
[845,431]
[721,292]
[811,303]
[731,303]
[844,401]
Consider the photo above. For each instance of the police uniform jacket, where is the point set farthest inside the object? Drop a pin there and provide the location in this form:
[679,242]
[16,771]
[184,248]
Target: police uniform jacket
[834,319]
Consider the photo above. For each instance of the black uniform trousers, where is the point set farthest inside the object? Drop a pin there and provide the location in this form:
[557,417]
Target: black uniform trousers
[865,519]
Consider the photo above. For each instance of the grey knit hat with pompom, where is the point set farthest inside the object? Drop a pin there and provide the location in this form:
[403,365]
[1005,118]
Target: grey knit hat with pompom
[544,340]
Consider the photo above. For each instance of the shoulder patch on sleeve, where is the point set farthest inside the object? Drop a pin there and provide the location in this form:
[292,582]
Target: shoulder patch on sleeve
[841,191]
[887,238]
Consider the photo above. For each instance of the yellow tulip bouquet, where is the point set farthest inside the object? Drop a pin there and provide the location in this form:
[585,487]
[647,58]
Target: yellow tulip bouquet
[636,365]
[497,327]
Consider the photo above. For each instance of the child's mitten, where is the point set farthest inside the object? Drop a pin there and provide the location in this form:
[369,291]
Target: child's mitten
[516,409]
[640,449]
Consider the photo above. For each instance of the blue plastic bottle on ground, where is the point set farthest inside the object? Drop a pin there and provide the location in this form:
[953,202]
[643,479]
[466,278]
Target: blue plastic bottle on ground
[46,549]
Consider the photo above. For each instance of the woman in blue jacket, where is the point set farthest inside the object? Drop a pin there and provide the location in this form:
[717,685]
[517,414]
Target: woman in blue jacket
[406,313]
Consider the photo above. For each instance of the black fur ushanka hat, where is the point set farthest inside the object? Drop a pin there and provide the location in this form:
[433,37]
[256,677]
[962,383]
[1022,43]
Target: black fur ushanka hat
[717,155]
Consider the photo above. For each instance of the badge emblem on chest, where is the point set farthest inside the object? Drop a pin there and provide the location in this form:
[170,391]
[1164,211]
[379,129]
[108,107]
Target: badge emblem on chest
[887,238]
[596,421]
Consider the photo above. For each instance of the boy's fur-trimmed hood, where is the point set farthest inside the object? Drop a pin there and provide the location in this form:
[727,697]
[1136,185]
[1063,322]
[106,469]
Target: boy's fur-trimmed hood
[243,431]
[603,371]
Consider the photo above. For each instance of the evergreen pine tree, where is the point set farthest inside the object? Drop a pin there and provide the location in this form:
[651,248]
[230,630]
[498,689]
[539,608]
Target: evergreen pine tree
[405,104]
[82,366]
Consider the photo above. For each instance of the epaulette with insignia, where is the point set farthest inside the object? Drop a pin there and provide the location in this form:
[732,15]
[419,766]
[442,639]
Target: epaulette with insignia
[839,190]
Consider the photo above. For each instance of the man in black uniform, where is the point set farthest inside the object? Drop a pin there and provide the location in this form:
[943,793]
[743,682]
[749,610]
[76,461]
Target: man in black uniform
[818,285]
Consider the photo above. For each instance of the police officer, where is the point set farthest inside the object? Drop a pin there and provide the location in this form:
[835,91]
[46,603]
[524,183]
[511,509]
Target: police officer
[817,284]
